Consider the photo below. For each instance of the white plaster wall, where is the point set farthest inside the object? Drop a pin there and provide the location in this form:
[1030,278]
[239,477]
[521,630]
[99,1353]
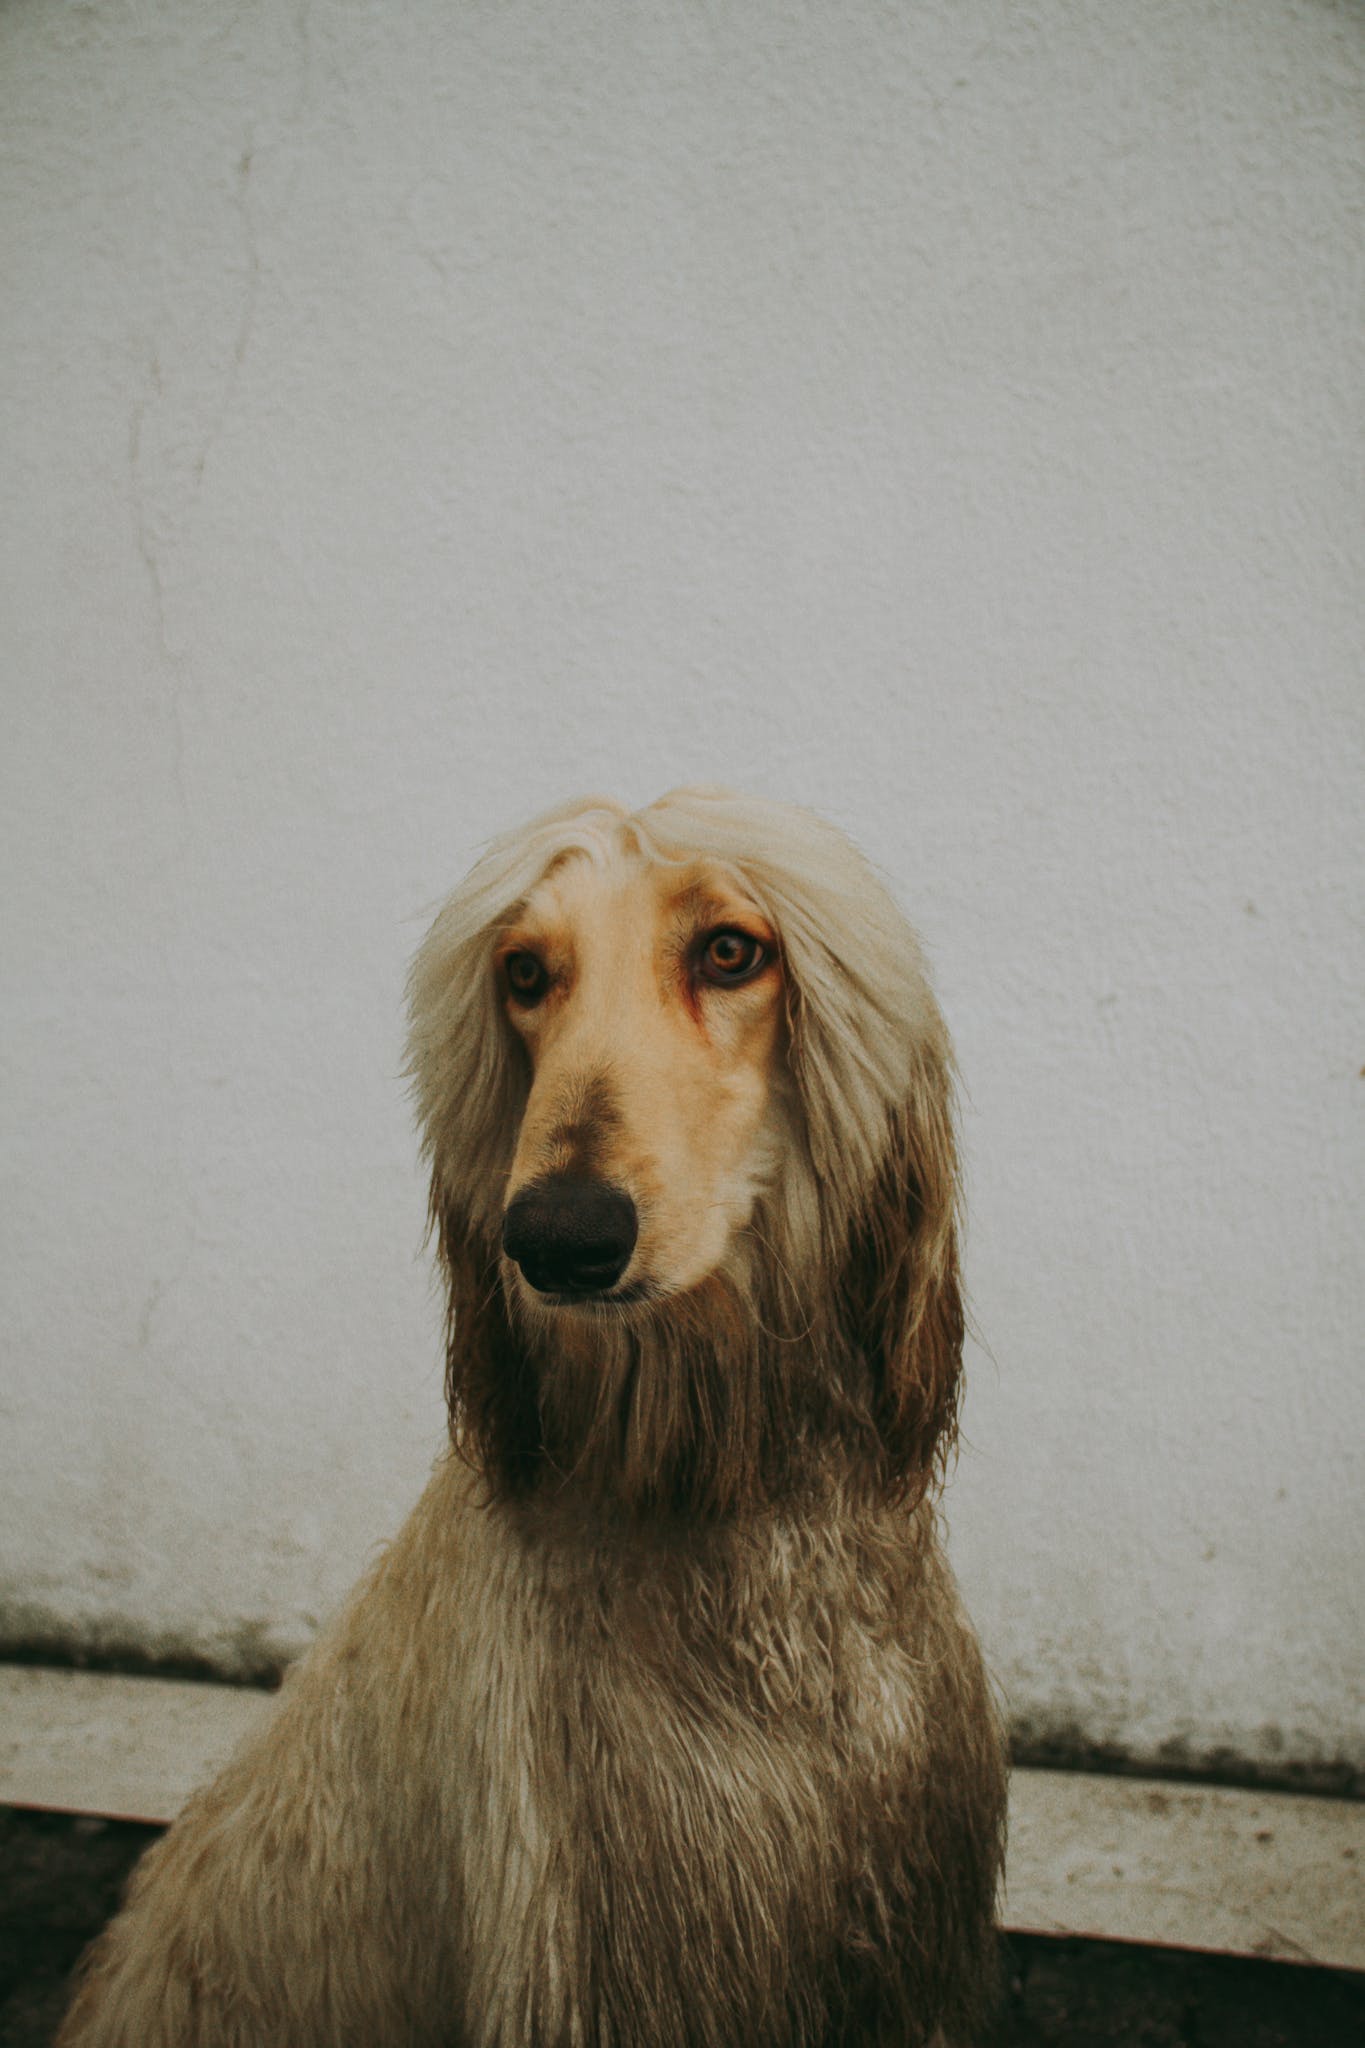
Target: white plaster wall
[946,414]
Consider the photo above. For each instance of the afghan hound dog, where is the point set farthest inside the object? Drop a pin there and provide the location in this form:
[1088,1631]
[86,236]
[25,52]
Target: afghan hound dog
[660,1721]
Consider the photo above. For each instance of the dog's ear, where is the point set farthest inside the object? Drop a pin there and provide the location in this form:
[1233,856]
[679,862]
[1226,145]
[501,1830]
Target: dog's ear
[491,1390]
[901,1294]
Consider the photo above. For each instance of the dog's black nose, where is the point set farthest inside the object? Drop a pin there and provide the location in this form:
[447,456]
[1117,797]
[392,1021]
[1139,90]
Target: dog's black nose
[571,1234]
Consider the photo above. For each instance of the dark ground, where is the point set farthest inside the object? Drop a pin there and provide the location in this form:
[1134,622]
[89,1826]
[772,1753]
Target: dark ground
[60,1879]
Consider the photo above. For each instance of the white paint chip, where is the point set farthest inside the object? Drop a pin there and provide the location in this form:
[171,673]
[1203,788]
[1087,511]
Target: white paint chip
[1188,1866]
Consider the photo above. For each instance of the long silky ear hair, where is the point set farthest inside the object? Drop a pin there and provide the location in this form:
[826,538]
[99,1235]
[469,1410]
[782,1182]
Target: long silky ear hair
[870,1196]
[900,1292]
[470,1081]
[490,1382]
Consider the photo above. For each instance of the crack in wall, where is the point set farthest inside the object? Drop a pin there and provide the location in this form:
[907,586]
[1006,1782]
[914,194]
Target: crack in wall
[150,553]
[142,535]
[246,322]
[255,216]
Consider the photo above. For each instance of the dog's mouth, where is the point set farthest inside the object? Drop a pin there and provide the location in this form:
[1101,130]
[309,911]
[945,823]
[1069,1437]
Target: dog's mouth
[591,1298]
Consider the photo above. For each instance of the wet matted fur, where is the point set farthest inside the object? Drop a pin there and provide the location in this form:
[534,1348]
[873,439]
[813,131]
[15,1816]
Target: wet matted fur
[660,1721]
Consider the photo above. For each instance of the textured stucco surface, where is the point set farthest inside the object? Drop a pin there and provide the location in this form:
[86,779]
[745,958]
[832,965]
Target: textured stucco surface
[947,415]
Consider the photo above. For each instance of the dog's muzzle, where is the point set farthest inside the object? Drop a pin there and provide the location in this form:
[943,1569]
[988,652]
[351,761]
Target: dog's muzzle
[571,1235]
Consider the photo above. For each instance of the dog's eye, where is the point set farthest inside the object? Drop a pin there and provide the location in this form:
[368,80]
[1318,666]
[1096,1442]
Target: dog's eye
[527,980]
[729,957]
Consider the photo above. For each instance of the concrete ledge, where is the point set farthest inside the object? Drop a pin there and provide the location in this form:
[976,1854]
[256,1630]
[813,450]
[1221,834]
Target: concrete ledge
[1122,1859]
[1272,1874]
[127,1748]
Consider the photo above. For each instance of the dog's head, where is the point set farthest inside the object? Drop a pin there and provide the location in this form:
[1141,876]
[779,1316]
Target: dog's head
[686,1099]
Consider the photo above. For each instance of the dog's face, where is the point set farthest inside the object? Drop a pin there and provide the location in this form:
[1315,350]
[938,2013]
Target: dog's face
[648,997]
[687,1101]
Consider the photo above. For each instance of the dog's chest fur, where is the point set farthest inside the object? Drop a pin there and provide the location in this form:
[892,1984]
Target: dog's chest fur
[684,1768]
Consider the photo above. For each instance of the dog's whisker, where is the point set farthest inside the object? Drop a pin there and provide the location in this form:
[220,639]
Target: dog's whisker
[752,1230]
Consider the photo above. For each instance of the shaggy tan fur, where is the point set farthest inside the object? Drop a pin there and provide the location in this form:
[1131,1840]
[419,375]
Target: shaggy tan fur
[660,1721]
